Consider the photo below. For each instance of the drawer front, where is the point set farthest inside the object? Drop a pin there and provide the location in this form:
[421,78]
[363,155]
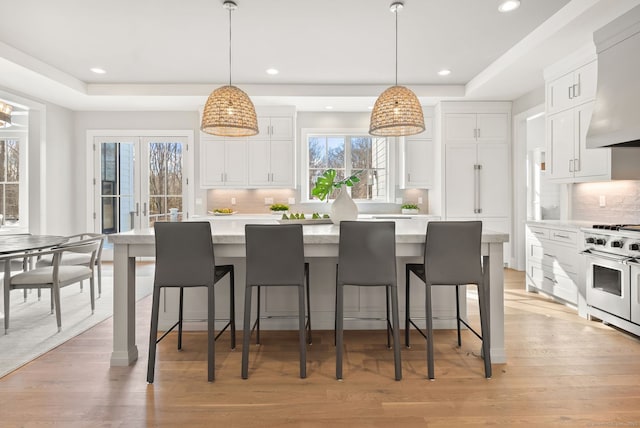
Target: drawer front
[559,258]
[539,232]
[561,286]
[566,236]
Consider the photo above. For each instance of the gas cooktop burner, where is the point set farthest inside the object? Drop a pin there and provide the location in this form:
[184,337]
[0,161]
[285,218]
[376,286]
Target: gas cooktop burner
[635,227]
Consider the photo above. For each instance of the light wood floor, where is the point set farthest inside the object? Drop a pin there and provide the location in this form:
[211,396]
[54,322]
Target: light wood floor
[562,371]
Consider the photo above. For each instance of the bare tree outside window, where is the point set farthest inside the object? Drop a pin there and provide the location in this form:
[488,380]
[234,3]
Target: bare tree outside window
[165,180]
[10,180]
[348,154]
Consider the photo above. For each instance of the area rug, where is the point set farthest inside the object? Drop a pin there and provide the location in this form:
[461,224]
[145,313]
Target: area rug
[33,330]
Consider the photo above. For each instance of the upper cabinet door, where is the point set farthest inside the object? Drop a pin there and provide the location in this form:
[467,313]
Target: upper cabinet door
[559,93]
[592,163]
[460,127]
[235,152]
[560,144]
[586,81]
[259,164]
[282,163]
[492,127]
[264,129]
[212,166]
[460,187]
[493,176]
[281,128]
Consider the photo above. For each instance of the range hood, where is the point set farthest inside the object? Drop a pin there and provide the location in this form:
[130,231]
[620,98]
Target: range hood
[616,116]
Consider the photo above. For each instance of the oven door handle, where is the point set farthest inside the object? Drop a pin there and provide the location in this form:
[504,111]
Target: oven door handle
[620,259]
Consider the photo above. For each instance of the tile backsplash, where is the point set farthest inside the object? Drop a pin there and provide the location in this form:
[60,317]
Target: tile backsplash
[621,201]
[252,201]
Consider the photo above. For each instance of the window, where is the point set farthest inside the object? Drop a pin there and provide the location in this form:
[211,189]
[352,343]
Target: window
[9,181]
[349,154]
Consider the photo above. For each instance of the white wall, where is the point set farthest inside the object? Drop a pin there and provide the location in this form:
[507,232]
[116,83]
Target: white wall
[528,101]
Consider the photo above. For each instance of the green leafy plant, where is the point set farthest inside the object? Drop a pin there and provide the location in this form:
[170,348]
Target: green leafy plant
[279,207]
[326,183]
[409,207]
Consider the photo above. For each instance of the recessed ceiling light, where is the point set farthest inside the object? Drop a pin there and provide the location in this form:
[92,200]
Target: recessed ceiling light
[329,107]
[98,70]
[272,71]
[509,5]
[444,72]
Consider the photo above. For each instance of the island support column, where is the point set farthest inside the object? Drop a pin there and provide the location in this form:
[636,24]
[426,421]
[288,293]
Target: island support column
[125,351]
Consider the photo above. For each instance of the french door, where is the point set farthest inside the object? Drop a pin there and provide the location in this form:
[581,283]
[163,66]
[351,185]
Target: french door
[139,180]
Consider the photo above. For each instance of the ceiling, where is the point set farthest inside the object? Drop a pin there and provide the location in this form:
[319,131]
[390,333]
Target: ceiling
[169,55]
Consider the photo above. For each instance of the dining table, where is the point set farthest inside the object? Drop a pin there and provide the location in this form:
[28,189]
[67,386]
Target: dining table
[320,245]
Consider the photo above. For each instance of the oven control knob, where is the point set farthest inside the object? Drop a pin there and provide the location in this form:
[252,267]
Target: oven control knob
[616,244]
[600,241]
[591,240]
[634,247]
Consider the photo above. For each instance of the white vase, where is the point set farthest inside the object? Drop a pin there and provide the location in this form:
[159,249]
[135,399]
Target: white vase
[343,208]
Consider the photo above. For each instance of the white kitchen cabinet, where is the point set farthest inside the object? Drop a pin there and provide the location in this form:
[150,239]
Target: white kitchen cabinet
[223,162]
[568,158]
[272,153]
[475,146]
[271,163]
[274,128]
[573,88]
[417,159]
[553,261]
[477,167]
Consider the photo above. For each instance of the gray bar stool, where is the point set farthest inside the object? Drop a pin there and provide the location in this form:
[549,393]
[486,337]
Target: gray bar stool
[453,257]
[185,258]
[367,257]
[275,257]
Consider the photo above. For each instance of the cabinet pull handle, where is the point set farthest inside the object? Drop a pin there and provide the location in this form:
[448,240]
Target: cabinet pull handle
[557,235]
[476,202]
[221,176]
[409,176]
[537,233]
[570,88]
[549,255]
[137,209]
[478,133]
[550,279]
[577,86]
[576,165]
[570,165]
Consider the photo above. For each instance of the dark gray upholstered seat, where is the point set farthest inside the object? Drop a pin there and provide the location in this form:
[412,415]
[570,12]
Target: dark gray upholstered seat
[452,257]
[275,257]
[185,258]
[367,257]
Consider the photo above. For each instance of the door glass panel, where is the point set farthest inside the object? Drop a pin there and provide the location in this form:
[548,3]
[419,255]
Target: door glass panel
[117,187]
[165,180]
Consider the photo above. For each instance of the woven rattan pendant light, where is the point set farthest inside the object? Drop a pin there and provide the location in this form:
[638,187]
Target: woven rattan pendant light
[5,115]
[397,110]
[229,111]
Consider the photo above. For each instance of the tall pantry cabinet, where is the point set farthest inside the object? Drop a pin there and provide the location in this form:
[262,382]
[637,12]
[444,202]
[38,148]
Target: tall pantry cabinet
[475,144]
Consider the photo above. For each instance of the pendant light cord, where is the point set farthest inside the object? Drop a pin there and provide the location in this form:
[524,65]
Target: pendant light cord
[230,46]
[396,13]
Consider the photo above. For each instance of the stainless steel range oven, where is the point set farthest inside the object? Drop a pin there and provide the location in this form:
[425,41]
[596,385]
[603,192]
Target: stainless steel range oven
[613,275]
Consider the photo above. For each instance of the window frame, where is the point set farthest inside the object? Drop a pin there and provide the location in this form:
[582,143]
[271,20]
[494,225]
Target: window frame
[390,165]
[23,185]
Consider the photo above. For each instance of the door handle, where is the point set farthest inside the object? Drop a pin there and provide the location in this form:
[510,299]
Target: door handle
[144,209]
[477,209]
[137,209]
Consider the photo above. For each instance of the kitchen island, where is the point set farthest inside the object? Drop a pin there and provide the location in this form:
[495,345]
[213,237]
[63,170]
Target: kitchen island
[321,250]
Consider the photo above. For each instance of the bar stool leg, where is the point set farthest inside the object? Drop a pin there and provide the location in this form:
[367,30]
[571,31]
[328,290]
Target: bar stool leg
[308,296]
[246,332]
[457,290]
[180,318]
[429,322]
[407,306]
[153,334]
[396,333]
[339,327]
[232,307]
[389,328]
[302,331]
[211,334]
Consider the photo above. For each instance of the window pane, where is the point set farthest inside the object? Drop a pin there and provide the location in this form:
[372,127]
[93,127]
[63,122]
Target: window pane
[2,162]
[317,152]
[11,203]
[174,202]
[157,169]
[335,152]
[174,169]
[13,160]
[360,152]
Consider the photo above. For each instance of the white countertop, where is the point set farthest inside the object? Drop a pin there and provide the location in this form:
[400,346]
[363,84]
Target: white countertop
[231,230]
[564,224]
